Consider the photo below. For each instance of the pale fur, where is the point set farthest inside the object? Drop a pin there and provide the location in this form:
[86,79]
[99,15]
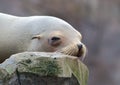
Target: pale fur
[16,34]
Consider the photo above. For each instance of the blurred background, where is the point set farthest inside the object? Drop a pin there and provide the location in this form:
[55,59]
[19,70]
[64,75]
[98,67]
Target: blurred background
[97,20]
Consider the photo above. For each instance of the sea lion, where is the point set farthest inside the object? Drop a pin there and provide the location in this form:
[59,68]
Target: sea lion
[40,34]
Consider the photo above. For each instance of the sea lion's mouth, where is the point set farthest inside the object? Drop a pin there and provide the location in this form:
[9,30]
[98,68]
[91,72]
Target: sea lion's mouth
[81,54]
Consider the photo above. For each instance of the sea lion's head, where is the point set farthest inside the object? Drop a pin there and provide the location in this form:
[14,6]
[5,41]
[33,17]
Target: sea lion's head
[59,36]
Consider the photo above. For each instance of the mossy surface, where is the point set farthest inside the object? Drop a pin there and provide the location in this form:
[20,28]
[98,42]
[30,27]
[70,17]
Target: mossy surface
[42,66]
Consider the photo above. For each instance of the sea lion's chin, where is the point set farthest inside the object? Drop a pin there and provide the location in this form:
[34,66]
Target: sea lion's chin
[81,54]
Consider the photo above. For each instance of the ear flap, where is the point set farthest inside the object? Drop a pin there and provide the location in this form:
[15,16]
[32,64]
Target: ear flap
[36,36]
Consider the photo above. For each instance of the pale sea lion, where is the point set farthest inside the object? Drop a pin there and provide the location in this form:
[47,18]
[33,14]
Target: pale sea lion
[40,34]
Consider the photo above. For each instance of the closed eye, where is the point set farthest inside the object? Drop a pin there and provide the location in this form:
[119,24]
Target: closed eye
[55,41]
[55,38]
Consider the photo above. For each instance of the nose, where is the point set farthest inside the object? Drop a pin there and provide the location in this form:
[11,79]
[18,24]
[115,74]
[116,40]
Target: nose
[80,46]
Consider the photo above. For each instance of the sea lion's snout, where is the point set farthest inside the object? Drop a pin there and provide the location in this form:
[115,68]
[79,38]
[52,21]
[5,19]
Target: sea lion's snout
[81,51]
[79,46]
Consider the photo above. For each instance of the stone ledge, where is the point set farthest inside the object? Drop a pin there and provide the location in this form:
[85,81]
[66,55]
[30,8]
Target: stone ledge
[49,67]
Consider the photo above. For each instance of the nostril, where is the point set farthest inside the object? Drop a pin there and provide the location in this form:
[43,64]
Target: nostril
[79,46]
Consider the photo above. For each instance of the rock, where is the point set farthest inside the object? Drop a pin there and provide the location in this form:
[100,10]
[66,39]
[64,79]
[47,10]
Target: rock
[40,68]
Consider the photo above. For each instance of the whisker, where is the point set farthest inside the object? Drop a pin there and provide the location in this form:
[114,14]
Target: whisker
[70,50]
